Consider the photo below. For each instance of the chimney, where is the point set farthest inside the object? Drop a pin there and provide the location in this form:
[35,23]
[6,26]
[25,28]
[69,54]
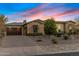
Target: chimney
[24,21]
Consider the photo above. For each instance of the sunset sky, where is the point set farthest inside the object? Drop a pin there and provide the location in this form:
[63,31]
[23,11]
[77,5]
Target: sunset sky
[31,11]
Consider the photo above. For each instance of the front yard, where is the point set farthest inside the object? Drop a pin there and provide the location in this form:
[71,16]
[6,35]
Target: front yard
[25,45]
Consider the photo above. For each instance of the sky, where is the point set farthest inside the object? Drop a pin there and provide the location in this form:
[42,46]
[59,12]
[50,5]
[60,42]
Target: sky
[17,12]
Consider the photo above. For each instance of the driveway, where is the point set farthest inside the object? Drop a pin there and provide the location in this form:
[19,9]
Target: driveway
[20,41]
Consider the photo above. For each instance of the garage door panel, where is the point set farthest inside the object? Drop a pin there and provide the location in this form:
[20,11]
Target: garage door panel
[14,31]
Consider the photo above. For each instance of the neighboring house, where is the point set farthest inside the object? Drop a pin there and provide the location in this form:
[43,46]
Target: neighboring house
[36,26]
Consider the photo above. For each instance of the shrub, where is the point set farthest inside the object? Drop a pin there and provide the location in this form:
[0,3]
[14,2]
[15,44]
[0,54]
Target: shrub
[66,37]
[2,35]
[38,40]
[34,34]
[54,41]
[58,35]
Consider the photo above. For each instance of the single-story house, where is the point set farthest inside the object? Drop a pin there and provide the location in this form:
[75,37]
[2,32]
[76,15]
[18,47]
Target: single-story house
[35,26]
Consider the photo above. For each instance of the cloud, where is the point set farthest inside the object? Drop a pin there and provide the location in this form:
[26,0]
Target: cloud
[43,11]
[71,11]
[29,11]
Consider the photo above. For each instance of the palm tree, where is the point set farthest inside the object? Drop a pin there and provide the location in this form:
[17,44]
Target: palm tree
[3,20]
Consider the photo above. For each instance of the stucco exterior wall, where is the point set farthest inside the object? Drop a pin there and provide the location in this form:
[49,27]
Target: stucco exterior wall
[28,27]
[60,26]
[40,27]
[69,26]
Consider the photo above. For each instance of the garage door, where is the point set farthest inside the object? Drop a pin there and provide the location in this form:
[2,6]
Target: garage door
[14,31]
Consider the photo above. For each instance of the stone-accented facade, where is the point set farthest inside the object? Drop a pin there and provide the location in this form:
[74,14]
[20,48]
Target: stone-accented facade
[29,27]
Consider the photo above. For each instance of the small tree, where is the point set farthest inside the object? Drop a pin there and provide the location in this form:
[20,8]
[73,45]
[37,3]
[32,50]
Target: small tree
[3,19]
[70,32]
[59,33]
[50,27]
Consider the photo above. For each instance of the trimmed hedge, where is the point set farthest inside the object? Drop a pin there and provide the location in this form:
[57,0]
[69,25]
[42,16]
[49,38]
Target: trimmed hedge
[54,41]
[38,40]
[66,37]
[34,34]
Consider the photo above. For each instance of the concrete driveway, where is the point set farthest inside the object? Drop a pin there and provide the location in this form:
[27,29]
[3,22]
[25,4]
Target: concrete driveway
[20,41]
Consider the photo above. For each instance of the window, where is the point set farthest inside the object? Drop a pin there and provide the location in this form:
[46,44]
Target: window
[35,28]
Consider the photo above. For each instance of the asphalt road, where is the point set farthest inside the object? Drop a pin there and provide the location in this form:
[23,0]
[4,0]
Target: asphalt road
[62,54]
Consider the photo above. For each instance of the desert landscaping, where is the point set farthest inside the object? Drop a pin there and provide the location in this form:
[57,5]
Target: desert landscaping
[26,45]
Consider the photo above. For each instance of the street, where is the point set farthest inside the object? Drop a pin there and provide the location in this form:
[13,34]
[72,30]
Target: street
[61,54]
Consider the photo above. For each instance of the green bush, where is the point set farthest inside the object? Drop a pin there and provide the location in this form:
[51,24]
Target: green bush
[71,32]
[38,40]
[54,41]
[2,35]
[34,34]
[58,35]
[50,27]
[66,37]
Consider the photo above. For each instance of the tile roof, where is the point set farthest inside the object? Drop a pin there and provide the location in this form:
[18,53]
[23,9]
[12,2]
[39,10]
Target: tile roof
[38,20]
[15,23]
